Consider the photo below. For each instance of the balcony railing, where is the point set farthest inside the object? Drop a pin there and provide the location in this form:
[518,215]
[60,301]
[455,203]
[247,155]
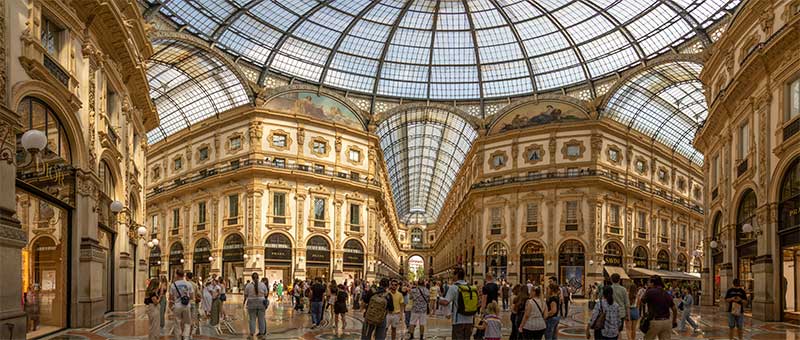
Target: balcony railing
[200,226]
[258,164]
[613,229]
[355,228]
[174,231]
[56,70]
[232,220]
[791,129]
[556,175]
[663,239]
[641,235]
[741,167]
[279,220]
[531,228]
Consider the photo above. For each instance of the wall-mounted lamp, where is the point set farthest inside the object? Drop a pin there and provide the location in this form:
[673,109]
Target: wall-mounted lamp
[245,256]
[210,259]
[591,262]
[182,261]
[714,244]
[748,228]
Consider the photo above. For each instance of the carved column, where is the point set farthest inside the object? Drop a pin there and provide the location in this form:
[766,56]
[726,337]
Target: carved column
[257,198]
[12,237]
[216,246]
[91,259]
[300,243]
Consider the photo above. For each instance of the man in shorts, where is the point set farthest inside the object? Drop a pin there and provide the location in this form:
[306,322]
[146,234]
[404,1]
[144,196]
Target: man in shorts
[420,298]
[737,299]
[394,317]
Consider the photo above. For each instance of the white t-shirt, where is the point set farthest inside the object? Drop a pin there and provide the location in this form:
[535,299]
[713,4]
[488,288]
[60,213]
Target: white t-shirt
[181,288]
[255,299]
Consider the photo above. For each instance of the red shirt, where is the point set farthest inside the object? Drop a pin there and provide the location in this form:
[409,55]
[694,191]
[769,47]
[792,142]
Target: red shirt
[658,302]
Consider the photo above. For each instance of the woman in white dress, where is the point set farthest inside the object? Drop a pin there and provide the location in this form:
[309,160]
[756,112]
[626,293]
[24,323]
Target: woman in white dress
[205,304]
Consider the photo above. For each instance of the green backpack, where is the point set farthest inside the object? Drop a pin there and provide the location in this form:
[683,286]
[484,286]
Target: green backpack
[467,300]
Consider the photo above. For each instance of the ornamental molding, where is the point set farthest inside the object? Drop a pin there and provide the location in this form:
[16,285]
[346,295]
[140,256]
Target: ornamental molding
[503,159]
[200,160]
[573,142]
[533,148]
[279,132]
[319,139]
[229,148]
[620,157]
[360,160]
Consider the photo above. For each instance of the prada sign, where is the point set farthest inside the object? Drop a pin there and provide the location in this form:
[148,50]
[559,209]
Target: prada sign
[278,254]
[354,258]
[318,255]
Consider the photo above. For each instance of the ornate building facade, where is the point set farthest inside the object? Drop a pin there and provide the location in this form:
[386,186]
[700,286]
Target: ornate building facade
[75,110]
[751,145]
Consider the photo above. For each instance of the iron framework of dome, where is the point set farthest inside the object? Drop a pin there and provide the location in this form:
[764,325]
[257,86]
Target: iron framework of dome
[445,49]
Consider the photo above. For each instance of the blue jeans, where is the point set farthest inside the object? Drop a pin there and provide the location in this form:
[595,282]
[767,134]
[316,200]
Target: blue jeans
[316,312]
[408,318]
[735,321]
[257,315]
[379,331]
[551,332]
[686,316]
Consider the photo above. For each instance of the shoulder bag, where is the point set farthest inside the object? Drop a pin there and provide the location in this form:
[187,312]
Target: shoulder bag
[427,303]
[600,322]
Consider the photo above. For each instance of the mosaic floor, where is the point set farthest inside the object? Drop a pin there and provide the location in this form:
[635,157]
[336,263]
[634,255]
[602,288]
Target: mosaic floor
[285,323]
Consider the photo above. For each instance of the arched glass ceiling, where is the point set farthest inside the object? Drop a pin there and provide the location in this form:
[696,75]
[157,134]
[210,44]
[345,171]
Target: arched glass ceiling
[188,85]
[665,102]
[445,49]
[424,147]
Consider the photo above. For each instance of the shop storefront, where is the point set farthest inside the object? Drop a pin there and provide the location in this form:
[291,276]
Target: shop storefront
[154,262]
[201,262]
[233,263]
[353,261]
[175,258]
[572,265]
[640,257]
[497,260]
[662,260]
[612,260]
[532,262]
[746,242]
[683,265]
[318,258]
[717,258]
[45,195]
[789,236]
[278,258]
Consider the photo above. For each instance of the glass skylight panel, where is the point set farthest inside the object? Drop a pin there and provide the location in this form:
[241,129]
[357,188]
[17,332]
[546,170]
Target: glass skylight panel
[498,53]
[402,89]
[495,36]
[454,74]
[408,54]
[656,19]
[613,62]
[332,19]
[192,14]
[361,47]
[553,5]
[508,70]
[354,64]
[521,11]
[349,6]
[546,44]
[406,72]
[452,22]
[454,90]
[507,87]
[370,30]
[417,20]
[412,37]
[574,13]
[554,61]
[590,29]
[625,11]
[664,37]
[487,19]
[273,13]
[537,27]
[316,34]
[560,78]
[383,13]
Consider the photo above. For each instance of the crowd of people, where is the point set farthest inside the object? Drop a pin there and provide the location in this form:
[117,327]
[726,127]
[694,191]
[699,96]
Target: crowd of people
[400,308]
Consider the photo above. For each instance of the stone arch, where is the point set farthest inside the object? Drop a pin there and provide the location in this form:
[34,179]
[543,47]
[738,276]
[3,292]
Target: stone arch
[267,94]
[325,236]
[65,111]
[780,172]
[364,246]
[489,244]
[540,242]
[288,236]
[40,237]
[114,164]
[224,237]
[561,244]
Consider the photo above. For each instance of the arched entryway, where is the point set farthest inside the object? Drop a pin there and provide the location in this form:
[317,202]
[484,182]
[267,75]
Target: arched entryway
[175,258]
[682,263]
[612,254]
[497,260]
[662,260]
[416,267]
[154,262]
[318,258]
[532,262]
[789,236]
[278,258]
[717,257]
[746,242]
[201,262]
[233,262]
[640,257]
[353,262]
[572,265]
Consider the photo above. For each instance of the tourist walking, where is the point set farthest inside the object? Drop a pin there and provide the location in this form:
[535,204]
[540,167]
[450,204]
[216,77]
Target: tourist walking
[377,303]
[686,311]
[505,291]
[462,316]
[208,299]
[493,327]
[621,298]
[659,304]
[340,308]
[255,295]
[635,294]
[152,301]
[518,309]
[737,299]
[552,316]
[533,325]
[181,294]
[163,286]
[317,298]
[394,318]
[609,313]
[419,297]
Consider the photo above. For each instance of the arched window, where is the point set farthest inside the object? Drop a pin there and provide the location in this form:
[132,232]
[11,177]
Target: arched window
[683,265]
[640,257]
[497,260]
[662,260]
[36,114]
[790,198]
[612,254]
[416,238]
[107,182]
[746,214]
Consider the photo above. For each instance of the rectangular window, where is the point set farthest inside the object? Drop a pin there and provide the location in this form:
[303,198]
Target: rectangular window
[203,152]
[683,233]
[498,161]
[279,140]
[715,171]
[178,164]
[279,208]
[320,147]
[532,218]
[201,213]
[154,224]
[572,216]
[355,155]
[534,155]
[664,230]
[613,155]
[496,221]
[319,168]
[744,140]
[233,209]
[641,222]
[573,150]
[235,143]
[355,217]
[176,219]
[319,212]
[794,99]
[279,162]
[613,215]
[51,37]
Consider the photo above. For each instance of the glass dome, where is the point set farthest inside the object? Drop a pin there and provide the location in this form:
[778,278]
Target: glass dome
[445,49]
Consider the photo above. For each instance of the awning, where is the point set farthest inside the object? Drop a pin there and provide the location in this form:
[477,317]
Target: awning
[640,273]
[611,270]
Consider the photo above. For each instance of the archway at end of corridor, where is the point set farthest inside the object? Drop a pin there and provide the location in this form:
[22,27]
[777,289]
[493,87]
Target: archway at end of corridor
[416,268]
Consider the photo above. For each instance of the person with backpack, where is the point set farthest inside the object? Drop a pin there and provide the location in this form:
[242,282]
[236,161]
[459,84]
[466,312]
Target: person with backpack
[606,318]
[621,298]
[255,296]
[181,295]
[736,297]
[420,298]
[463,301]
[152,300]
[533,325]
[340,308]
[377,303]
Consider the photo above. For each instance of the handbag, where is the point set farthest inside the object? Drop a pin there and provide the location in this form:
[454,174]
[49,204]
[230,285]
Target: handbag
[427,303]
[184,298]
[644,325]
[600,322]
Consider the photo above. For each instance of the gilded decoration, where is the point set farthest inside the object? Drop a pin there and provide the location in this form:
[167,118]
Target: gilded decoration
[319,140]
[572,143]
[230,148]
[279,132]
[498,159]
[351,149]
[610,150]
[534,153]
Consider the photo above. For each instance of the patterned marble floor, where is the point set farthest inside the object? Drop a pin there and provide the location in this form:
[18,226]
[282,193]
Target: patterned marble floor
[285,323]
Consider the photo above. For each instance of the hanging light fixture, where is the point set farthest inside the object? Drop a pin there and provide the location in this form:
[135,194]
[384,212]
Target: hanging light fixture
[34,140]
[155,241]
[141,231]
[210,259]
[116,207]
[714,244]
[150,244]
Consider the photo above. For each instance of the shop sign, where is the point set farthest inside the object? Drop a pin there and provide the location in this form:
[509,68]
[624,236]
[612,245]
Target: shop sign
[640,262]
[789,214]
[612,260]
[315,255]
[278,254]
[354,258]
[532,260]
